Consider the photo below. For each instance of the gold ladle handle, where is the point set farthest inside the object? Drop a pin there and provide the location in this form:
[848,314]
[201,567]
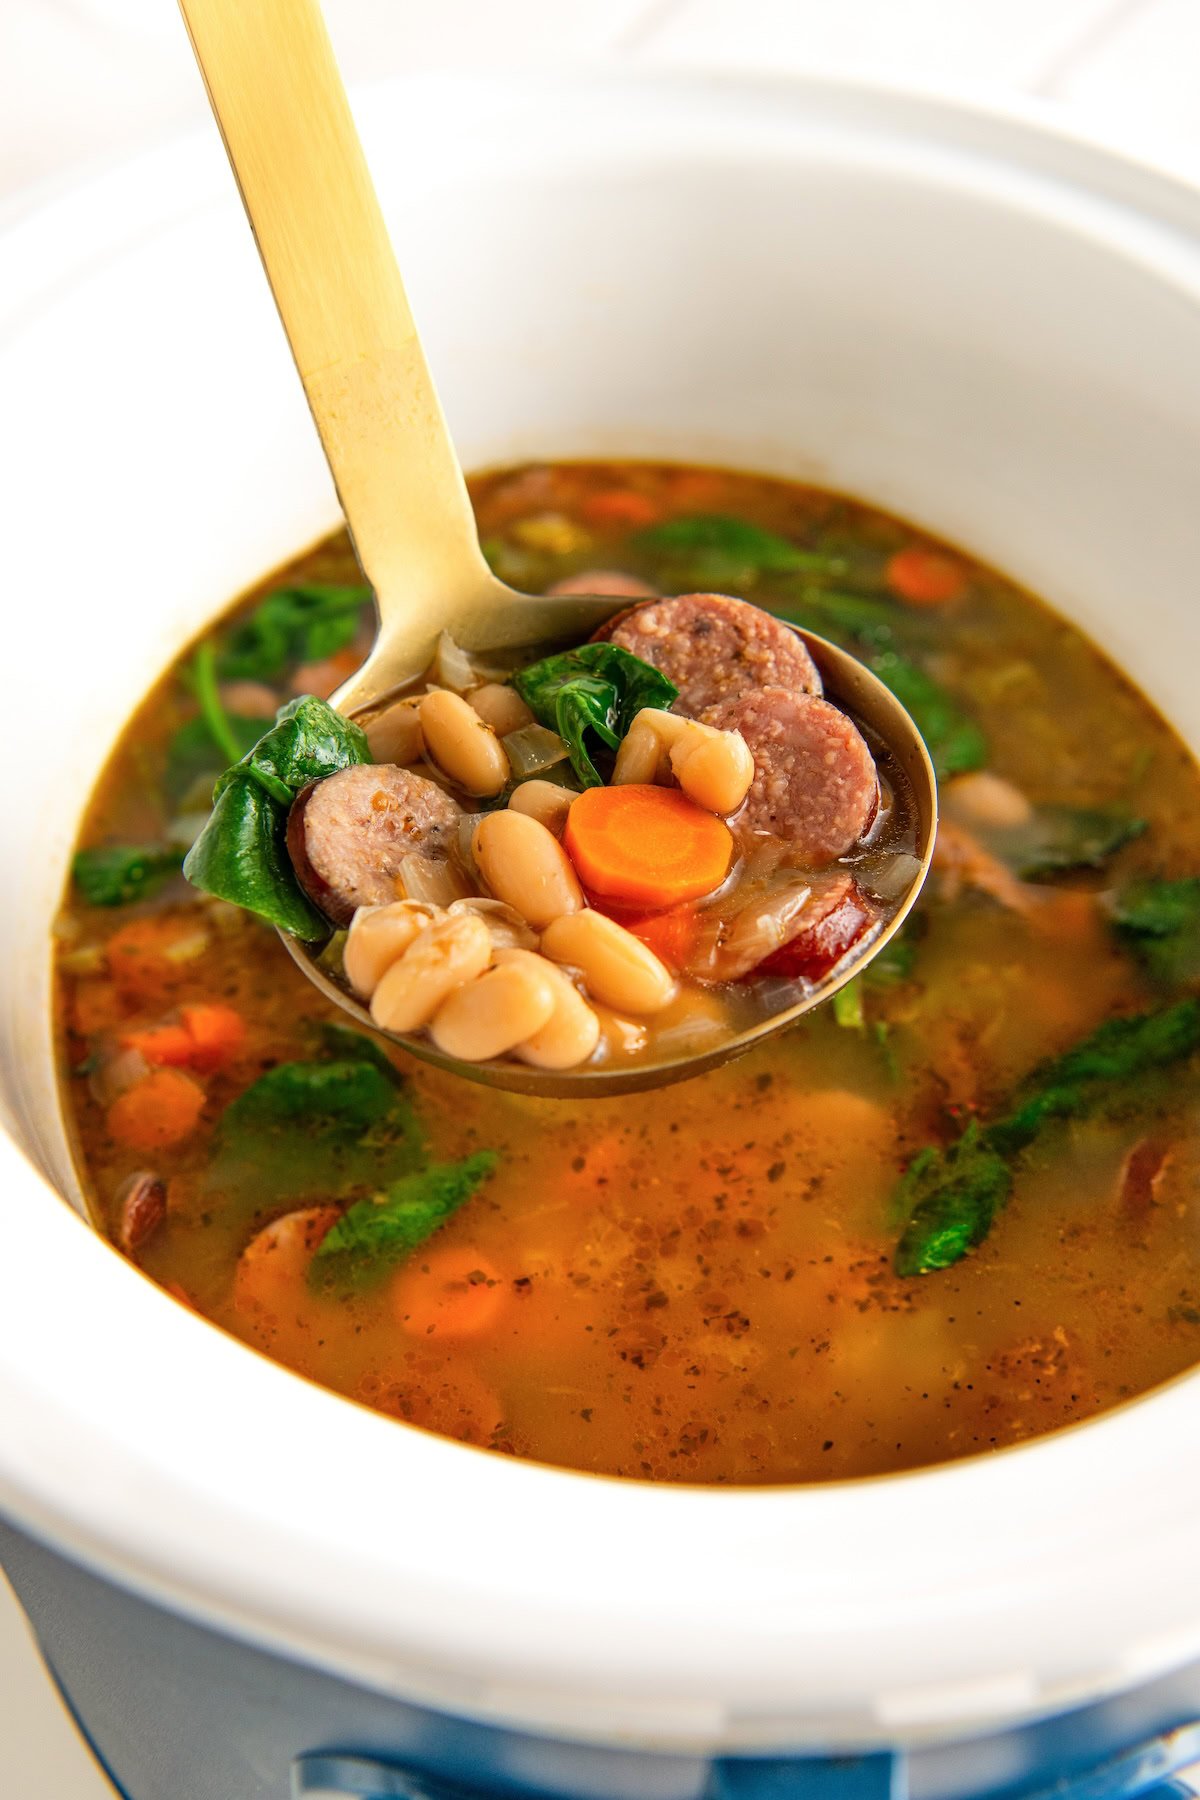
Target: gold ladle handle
[278,98]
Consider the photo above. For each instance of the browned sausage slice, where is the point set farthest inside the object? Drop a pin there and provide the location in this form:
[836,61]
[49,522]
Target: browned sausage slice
[815,783]
[715,649]
[796,927]
[348,835]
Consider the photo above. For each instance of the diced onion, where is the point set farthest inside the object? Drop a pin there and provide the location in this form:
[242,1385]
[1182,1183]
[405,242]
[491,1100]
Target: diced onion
[331,959]
[454,669]
[890,875]
[433,883]
[466,837]
[533,749]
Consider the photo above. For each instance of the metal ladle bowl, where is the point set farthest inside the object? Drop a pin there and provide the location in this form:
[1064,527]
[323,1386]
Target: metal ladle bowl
[279,101]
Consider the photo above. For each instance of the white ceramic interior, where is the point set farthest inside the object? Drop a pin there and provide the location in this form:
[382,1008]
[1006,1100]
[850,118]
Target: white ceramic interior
[963,316]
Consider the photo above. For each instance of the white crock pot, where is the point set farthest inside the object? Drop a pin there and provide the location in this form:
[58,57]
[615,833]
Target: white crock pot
[983,324]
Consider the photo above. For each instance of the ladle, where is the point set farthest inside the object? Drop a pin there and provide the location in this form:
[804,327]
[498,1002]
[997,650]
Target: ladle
[278,98]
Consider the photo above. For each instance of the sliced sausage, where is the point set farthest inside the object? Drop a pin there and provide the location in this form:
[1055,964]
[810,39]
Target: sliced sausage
[715,649]
[348,835]
[815,783]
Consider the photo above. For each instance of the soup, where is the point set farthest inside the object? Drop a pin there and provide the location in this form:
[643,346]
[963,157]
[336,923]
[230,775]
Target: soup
[946,1212]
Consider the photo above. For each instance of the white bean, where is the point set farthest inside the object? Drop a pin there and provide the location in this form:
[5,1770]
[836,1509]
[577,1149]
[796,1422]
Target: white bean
[501,707]
[378,937]
[643,752]
[394,735]
[714,768]
[448,953]
[496,1012]
[985,799]
[457,739]
[617,968]
[544,801]
[571,1032]
[526,865]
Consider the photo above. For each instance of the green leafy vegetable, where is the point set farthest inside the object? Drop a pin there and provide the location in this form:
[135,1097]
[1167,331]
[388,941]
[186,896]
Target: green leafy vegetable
[301,624]
[869,628]
[848,1007]
[596,689]
[870,623]
[241,854]
[326,1128]
[194,759]
[375,1234]
[204,681]
[955,742]
[1097,1070]
[1057,839]
[308,741]
[1160,920]
[118,873]
[949,1197]
[714,547]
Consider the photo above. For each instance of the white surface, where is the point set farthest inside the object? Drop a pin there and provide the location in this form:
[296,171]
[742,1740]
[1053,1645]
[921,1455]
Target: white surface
[85,81]
[1030,1579]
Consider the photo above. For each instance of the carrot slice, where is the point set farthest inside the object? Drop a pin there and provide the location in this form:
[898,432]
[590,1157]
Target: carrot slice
[672,935]
[449,1294]
[217,1034]
[647,846]
[161,1109]
[926,577]
[620,507]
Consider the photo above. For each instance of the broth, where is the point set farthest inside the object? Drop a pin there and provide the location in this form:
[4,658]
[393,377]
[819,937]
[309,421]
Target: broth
[697,1284]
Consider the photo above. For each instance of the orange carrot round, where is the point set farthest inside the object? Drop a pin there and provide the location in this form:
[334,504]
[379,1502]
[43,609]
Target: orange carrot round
[161,1109]
[449,1294]
[216,1034]
[926,577]
[621,507]
[646,846]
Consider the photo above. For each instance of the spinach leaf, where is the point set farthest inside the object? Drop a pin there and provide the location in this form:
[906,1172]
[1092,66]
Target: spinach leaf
[375,1234]
[308,1129]
[115,874]
[595,689]
[194,758]
[212,710]
[951,1196]
[954,741]
[308,741]
[1098,1070]
[1057,839]
[871,624]
[848,1007]
[1160,920]
[715,538]
[241,856]
[294,625]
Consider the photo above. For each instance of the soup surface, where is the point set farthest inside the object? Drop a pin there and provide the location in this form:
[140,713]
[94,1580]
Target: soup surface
[951,1210]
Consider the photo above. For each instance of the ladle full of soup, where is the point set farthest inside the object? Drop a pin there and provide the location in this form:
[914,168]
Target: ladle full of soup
[528,817]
